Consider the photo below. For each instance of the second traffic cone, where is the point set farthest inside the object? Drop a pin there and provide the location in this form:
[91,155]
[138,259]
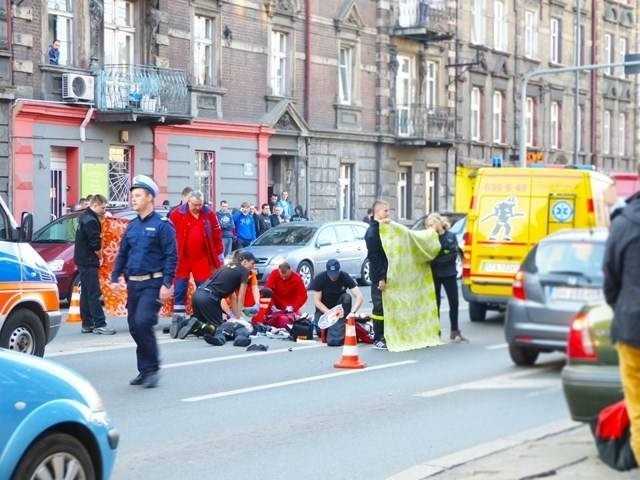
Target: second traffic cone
[74,307]
[350,358]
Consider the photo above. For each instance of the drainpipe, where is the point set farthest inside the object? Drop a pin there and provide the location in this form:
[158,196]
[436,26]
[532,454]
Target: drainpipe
[85,122]
[307,181]
[307,61]
[594,82]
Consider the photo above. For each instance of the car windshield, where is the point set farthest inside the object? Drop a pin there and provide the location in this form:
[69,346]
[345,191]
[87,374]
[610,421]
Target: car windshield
[570,258]
[62,230]
[286,236]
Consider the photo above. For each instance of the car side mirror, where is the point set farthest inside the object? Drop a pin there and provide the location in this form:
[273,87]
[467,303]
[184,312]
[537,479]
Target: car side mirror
[26,227]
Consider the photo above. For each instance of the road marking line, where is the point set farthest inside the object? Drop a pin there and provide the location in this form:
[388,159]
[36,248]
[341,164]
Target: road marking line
[497,347]
[504,381]
[438,465]
[238,356]
[296,381]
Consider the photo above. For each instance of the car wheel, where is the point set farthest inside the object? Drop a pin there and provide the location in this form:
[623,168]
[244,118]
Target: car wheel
[523,356]
[75,283]
[477,311]
[23,332]
[56,456]
[365,270]
[305,270]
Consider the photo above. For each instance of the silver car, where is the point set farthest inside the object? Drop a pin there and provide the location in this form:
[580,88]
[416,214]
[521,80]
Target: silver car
[307,246]
[558,277]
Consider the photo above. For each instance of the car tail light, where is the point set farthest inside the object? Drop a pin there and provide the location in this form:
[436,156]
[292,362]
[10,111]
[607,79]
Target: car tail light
[467,239]
[590,206]
[472,202]
[580,345]
[518,286]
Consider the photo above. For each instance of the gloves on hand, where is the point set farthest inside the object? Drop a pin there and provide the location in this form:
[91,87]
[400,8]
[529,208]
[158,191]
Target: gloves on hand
[252,310]
[275,309]
[289,309]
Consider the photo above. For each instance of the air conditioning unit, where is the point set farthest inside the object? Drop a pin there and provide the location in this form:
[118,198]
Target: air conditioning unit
[77,88]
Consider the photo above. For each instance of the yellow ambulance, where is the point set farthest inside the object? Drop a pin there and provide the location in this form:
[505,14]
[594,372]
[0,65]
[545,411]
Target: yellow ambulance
[511,209]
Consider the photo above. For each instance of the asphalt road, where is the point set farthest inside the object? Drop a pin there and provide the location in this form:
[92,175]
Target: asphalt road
[224,413]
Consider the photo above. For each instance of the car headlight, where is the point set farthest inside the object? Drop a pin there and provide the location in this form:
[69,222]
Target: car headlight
[56,265]
[277,260]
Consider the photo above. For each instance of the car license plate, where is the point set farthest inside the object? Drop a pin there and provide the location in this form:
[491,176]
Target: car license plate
[500,267]
[575,294]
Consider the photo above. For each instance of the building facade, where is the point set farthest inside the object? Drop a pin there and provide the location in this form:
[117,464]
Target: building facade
[335,101]
[502,40]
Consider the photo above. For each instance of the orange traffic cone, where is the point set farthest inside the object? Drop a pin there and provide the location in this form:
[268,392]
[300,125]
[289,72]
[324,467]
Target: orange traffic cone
[350,358]
[74,307]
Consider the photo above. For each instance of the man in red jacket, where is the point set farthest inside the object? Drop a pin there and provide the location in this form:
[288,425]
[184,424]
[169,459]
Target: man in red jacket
[200,248]
[288,292]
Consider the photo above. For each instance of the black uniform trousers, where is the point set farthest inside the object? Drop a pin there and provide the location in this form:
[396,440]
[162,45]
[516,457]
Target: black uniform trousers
[91,310]
[143,305]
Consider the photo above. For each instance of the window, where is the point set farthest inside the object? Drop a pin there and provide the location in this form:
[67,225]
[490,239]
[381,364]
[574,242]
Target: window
[346,192]
[119,32]
[499,26]
[204,173]
[476,107]
[4,30]
[497,117]
[606,133]
[404,95]
[530,34]
[61,28]
[203,50]
[404,193]
[430,190]
[345,80]
[581,54]
[529,120]
[478,34]
[608,52]
[432,84]
[119,172]
[279,63]
[555,43]
[554,124]
[622,52]
[622,134]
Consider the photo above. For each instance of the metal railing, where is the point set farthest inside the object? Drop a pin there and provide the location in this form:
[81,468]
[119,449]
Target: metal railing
[421,122]
[142,89]
[432,14]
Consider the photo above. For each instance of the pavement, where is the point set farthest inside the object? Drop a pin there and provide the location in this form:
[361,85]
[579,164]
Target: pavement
[562,450]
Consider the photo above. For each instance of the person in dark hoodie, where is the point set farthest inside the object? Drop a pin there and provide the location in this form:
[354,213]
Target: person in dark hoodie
[621,267]
[87,257]
[445,274]
[298,215]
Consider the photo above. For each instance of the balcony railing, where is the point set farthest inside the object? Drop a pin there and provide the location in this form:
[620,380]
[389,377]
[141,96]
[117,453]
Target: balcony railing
[143,89]
[424,19]
[418,122]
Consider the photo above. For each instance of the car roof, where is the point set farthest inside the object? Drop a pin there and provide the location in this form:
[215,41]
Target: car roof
[320,223]
[579,234]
